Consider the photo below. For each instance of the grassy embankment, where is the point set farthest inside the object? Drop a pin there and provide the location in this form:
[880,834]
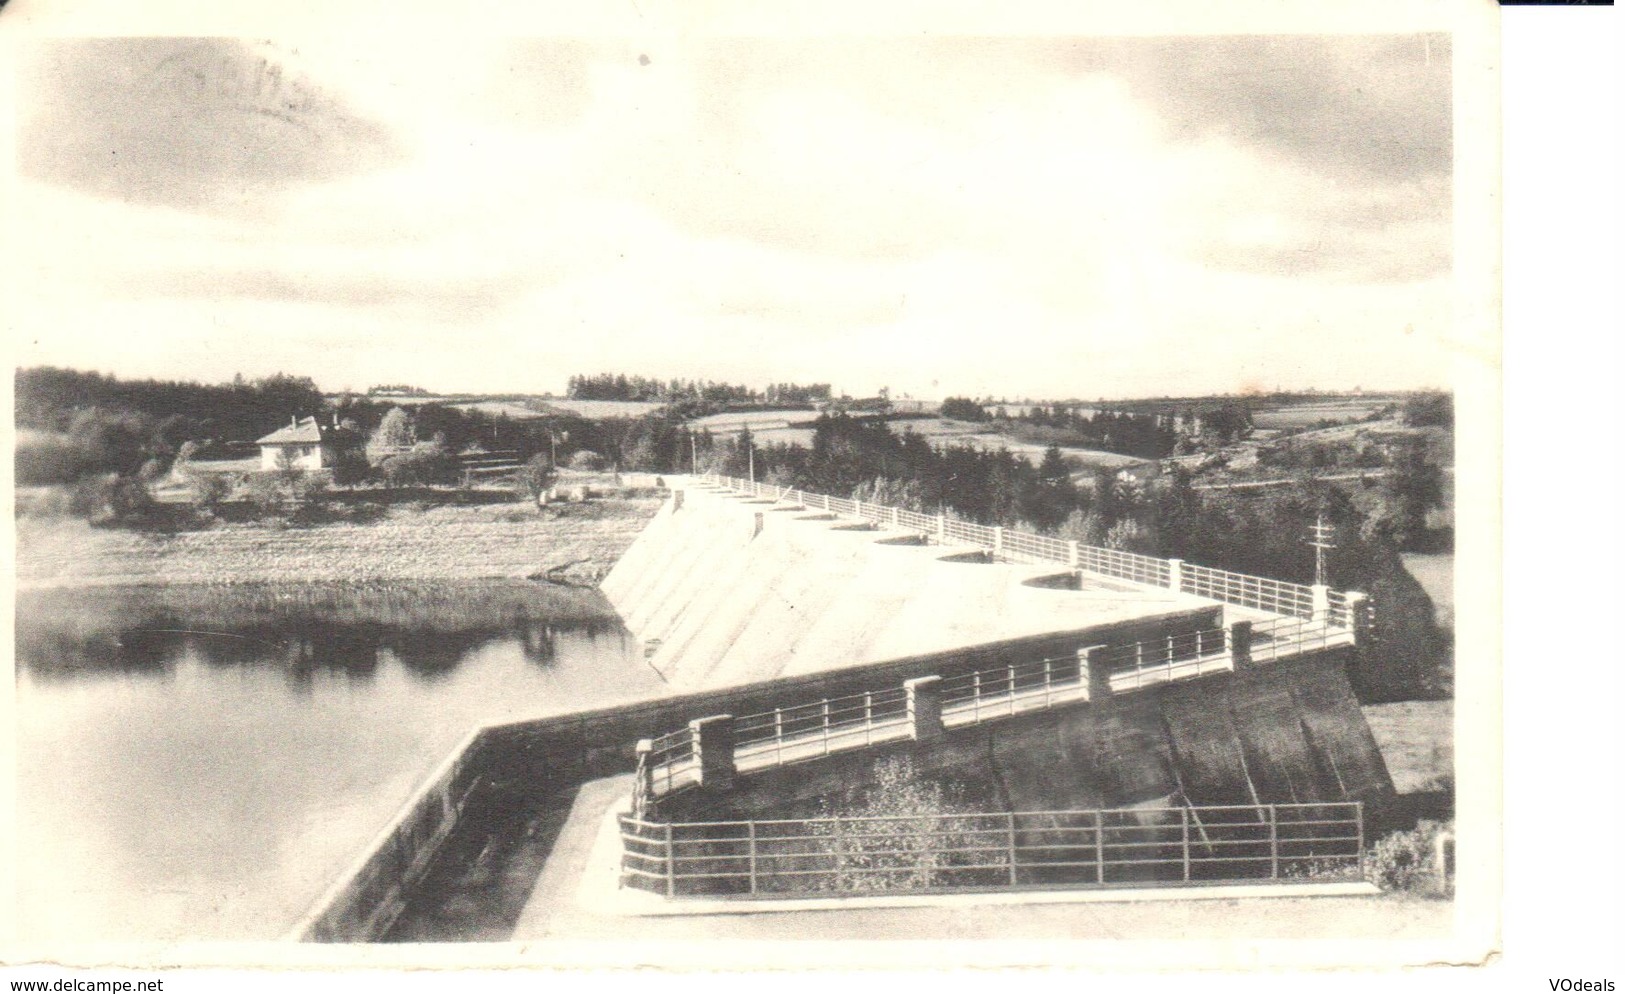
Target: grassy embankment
[422,540]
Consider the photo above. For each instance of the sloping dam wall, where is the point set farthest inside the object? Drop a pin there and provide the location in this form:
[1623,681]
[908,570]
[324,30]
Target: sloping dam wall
[727,590]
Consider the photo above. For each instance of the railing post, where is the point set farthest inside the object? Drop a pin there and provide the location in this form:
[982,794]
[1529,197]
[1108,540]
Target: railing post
[924,707]
[645,788]
[998,541]
[1074,558]
[894,517]
[1092,663]
[1100,847]
[714,749]
[1176,575]
[857,506]
[1319,602]
[1359,608]
[1275,847]
[671,865]
[942,529]
[1011,836]
[1185,839]
[826,726]
[751,827]
[868,717]
[1240,637]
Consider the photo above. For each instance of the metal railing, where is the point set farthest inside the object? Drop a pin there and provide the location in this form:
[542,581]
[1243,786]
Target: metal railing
[1260,593]
[834,857]
[1027,547]
[1172,657]
[1283,638]
[1013,689]
[1125,565]
[809,731]
[818,728]
[672,762]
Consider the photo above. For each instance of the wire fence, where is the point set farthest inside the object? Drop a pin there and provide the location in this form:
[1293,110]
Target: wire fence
[995,850]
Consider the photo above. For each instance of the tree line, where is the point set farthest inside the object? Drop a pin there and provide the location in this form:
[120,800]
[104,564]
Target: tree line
[619,386]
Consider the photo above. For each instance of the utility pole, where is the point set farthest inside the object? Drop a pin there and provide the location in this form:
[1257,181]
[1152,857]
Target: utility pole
[750,454]
[1322,542]
[693,454]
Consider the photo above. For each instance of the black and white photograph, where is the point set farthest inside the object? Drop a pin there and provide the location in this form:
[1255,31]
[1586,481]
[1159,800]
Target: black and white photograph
[662,489]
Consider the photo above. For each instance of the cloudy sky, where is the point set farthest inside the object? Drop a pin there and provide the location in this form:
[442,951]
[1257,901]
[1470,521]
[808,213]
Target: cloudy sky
[1060,217]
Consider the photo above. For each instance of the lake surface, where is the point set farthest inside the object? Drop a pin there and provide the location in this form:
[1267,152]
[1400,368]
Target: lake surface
[202,762]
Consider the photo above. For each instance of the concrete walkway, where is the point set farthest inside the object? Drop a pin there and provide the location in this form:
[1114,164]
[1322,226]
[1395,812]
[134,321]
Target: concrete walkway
[577,897]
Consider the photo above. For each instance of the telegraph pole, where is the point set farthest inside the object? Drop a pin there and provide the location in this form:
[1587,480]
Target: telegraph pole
[1322,542]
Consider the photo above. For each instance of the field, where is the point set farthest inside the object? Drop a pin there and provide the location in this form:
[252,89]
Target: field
[1416,741]
[410,542]
[946,431]
[601,408]
[1299,416]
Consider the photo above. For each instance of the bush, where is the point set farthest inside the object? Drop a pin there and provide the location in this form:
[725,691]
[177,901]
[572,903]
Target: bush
[350,467]
[589,461]
[927,838]
[1404,861]
[51,459]
[423,466]
[207,490]
[535,479]
[265,491]
[110,499]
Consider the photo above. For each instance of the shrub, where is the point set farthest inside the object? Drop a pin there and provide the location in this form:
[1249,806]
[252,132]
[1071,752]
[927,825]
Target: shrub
[50,459]
[535,479]
[926,838]
[589,461]
[422,466]
[111,499]
[265,491]
[1404,861]
[350,467]
[207,490]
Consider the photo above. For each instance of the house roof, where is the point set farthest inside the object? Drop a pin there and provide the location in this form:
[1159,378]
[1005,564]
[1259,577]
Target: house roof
[307,430]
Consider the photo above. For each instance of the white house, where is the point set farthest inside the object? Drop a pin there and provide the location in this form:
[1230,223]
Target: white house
[304,444]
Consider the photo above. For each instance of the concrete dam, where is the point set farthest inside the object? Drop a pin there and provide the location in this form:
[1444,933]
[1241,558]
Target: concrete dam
[808,638]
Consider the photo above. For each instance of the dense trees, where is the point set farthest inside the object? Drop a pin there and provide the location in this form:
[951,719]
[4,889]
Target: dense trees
[963,409]
[619,386]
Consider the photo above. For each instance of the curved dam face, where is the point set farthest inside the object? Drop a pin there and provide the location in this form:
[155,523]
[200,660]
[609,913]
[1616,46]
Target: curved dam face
[730,590]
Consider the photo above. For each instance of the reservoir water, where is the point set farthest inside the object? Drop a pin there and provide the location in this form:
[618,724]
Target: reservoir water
[202,762]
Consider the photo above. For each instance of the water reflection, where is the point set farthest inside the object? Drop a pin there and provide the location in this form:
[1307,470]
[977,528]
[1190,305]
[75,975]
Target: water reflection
[303,630]
[201,762]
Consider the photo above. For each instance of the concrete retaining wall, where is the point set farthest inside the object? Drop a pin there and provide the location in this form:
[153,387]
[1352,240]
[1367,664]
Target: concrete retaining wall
[587,745]
[1268,737]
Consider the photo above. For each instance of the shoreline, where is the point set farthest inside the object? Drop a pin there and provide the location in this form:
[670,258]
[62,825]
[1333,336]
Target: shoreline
[578,541]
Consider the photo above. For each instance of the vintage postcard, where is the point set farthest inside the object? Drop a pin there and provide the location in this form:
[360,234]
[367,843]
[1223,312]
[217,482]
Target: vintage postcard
[711,487]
